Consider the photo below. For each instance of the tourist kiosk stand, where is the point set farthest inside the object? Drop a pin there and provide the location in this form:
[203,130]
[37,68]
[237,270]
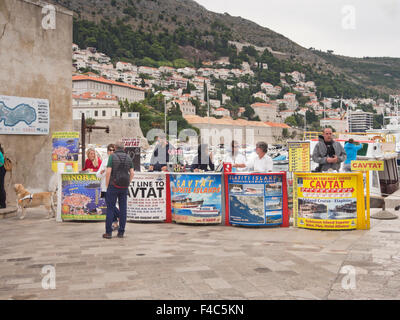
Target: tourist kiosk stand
[79,198]
[329,201]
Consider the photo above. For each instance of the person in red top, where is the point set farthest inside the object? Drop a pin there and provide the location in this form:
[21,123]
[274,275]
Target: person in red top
[93,162]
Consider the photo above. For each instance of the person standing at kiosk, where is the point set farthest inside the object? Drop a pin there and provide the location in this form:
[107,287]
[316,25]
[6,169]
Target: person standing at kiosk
[161,155]
[236,158]
[328,153]
[119,176]
[261,162]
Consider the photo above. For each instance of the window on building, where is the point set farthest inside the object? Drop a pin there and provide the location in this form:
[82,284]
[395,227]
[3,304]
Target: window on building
[96,113]
[104,113]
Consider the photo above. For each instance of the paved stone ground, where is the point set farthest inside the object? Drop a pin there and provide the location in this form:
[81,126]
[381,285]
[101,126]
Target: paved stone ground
[172,261]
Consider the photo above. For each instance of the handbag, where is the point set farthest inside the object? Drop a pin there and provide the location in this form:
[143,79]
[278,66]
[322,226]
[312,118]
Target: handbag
[7,164]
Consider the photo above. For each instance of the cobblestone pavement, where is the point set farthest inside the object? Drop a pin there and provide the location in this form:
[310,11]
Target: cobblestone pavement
[172,261]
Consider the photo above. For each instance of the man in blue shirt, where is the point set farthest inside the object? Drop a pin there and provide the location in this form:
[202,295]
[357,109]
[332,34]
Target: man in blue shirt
[351,150]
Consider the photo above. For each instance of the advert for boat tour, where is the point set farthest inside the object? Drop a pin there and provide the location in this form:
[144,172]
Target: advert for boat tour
[65,150]
[255,199]
[196,198]
[81,197]
[147,199]
[326,201]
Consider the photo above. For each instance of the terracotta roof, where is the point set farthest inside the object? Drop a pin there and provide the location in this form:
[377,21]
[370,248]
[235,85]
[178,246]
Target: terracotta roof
[103,80]
[90,95]
[193,119]
[276,124]
[260,104]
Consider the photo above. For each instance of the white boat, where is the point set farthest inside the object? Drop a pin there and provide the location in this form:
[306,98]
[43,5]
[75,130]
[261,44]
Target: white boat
[205,210]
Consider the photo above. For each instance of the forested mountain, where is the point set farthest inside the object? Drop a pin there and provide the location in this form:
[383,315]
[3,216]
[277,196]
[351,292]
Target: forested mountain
[165,31]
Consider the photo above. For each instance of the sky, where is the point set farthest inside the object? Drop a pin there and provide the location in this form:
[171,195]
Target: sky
[356,28]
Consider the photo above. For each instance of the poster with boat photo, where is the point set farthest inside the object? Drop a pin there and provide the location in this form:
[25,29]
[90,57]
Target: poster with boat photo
[326,201]
[255,199]
[81,197]
[65,150]
[195,198]
[147,197]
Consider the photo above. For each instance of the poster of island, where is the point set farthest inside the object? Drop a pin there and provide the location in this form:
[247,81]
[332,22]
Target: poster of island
[326,201]
[80,197]
[255,200]
[147,197]
[196,198]
[65,150]
[20,115]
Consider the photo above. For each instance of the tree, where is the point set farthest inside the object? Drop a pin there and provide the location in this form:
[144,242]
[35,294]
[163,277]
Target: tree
[90,121]
[282,107]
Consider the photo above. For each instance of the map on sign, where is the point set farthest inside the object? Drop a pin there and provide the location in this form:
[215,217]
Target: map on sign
[20,115]
[22,112]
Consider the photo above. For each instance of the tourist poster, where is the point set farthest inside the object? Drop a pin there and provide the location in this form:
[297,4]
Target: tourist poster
[20,115]
[196,198]
[65,150]
[256,199]
[81,197]
[327,201]
[132,148]
[147,197]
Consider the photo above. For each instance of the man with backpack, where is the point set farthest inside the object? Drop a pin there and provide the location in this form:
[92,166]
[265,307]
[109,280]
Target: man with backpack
[119,176]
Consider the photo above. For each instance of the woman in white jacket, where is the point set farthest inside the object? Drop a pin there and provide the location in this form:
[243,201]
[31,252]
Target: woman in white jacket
[101,174]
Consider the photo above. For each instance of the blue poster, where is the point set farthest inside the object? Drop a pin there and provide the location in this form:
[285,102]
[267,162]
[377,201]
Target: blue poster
[196,198]
[255,199]
[81,197]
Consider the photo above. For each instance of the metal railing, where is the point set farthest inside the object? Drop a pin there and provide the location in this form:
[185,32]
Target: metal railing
[383,137]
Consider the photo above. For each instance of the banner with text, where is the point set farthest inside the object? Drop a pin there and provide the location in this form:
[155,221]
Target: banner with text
[328,201]
[255,199]
[196,198]
[147,199]
[80,197]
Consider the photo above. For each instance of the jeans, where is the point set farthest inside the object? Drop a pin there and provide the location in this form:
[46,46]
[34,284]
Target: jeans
[2,190]
[116,210]
[112,195]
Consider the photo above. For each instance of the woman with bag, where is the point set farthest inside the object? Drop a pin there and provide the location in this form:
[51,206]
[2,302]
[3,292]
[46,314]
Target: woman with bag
[2,176]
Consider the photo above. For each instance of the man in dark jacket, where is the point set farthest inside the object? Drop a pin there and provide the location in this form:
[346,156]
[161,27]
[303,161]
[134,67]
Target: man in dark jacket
[119,176]
[328,153]
[162,155]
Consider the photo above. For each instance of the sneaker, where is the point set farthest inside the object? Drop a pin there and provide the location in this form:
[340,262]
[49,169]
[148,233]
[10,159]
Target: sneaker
[107,236]
[120,235]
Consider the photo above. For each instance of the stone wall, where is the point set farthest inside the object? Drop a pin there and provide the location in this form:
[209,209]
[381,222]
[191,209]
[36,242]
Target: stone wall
[119,128]
[35,62]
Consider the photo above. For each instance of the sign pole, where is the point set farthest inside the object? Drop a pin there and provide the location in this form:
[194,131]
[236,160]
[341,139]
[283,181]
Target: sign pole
[368,198]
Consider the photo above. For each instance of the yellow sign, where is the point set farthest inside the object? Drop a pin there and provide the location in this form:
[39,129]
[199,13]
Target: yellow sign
[360,165]
[299,156]
[329,201]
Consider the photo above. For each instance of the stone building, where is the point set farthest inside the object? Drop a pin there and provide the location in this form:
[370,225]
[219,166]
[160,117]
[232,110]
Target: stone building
[35,62]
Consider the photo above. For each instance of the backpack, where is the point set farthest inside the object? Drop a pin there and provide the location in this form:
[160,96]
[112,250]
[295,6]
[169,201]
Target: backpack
[121,177]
